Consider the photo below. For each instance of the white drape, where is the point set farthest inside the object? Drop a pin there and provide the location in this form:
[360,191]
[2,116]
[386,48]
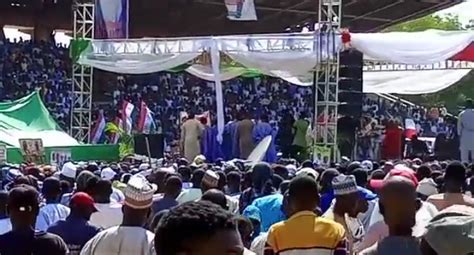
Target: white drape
[425,47]
[206,73]
[411,82]
[281,56]
[141,56]
[215,62]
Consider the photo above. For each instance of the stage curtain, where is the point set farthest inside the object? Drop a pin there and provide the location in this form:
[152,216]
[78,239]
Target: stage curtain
[425,47]
[411,82]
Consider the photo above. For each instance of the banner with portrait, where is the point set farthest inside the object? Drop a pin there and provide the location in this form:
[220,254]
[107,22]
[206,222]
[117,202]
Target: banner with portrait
[111,19]
[323,154]
[58,158]
[32,150]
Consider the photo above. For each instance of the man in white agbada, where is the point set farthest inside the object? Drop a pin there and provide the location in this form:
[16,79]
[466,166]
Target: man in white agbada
[466,132]
[129,237]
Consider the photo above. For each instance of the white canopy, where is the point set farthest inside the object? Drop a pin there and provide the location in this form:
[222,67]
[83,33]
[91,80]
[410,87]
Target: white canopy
[50,138]
[288,56]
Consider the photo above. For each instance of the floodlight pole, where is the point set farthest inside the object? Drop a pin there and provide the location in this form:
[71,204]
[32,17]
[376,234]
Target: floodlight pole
[82,76]
[327,78]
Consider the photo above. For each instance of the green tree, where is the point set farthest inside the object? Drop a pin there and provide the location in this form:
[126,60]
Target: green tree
[447,22]
[455,95]
[126,142]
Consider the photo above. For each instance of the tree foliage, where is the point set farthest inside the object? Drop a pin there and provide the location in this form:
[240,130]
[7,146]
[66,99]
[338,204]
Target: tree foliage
[448,22]
[455,95]
[126,141]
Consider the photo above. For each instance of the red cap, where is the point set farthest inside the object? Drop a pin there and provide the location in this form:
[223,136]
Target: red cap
[83,199]
[398,171]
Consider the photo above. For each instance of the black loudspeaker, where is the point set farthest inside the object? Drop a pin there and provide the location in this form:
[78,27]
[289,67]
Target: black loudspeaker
[156,141]
[350,83]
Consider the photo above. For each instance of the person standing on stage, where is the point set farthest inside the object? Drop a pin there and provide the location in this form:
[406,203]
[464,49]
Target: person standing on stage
[244,136]
[191,133]
[466,132]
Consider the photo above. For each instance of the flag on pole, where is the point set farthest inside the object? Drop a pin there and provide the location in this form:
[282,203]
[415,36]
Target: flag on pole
[99,127]
[127,110]
[410,128]
[240,10]
[146,122]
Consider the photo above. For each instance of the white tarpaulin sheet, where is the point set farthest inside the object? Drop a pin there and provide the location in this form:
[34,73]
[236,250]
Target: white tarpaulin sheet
[425,47]
[50,138]
[411,82]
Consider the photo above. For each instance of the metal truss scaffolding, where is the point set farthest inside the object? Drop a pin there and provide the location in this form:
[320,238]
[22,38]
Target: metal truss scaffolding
[326,80]
[82,76]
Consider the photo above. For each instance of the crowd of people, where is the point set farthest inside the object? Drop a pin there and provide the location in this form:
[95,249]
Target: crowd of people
[183,207]
[27,66]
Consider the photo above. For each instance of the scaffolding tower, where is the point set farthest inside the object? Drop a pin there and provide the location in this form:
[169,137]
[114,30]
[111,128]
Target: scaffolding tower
[82,76]
[326,79]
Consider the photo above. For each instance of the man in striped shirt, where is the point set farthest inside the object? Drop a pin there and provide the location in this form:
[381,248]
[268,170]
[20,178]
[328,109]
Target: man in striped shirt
[305,232]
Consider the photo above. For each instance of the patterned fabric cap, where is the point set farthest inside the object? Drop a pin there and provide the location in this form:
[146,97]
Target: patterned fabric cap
[139,192]
[344,184]
[210,179]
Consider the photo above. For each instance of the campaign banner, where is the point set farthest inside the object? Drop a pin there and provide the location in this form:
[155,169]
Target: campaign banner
[323,154]
[32,150]
[111,19]
[58,158]
[241,10]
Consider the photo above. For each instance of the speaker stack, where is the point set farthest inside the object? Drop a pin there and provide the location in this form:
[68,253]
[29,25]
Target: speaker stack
[350,83]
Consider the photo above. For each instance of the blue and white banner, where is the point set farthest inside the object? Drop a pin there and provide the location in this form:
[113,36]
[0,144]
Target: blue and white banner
[241,10]
[99,128]
[146,122]
[127,118]
[111,19]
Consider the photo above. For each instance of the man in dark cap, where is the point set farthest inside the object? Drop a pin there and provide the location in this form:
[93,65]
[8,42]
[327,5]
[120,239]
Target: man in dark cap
[215,196]
[261,176]
[53,210]
[454,180]
[75,230]
[398,205]
[23,209]
[173,186]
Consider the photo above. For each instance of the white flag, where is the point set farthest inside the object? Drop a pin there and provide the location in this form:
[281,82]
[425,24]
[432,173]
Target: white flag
[242,10]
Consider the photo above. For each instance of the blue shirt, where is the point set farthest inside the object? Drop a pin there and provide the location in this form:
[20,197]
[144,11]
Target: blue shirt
[270,209]
[75,232]
[163,204]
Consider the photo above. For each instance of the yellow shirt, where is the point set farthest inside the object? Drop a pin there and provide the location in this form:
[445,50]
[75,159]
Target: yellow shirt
[306,233]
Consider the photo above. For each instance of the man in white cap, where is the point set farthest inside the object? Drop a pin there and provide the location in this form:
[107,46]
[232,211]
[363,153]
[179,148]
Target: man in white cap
[68,173]
[346,207]
[211,181]
[130,237]
[109,174]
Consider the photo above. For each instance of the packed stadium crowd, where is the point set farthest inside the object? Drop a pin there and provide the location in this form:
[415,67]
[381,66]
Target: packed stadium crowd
[43,66]
[204,204]
[27,66]
[183,207]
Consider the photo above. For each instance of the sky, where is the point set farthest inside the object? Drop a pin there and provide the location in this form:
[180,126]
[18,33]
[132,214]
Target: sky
[464,10]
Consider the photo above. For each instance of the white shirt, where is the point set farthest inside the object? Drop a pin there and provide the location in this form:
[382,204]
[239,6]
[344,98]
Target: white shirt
[5,226]
[189,195]
[258,244]
[108,215]
[121,240]
[117,195]
[50,214]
